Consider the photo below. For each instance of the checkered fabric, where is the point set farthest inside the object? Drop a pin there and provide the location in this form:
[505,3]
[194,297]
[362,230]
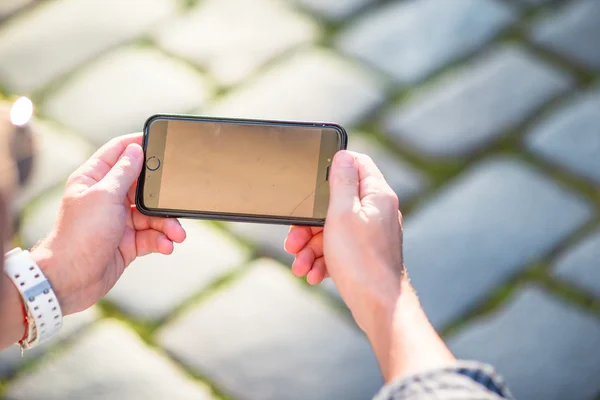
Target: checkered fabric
[465,380]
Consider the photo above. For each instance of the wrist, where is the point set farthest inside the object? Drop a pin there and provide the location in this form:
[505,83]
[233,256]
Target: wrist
[49,261]
[404,340]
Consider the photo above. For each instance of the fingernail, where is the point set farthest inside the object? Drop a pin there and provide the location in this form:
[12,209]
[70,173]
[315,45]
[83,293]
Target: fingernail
[344,159]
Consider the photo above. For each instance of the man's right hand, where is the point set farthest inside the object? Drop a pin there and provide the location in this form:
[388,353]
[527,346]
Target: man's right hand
[360,247]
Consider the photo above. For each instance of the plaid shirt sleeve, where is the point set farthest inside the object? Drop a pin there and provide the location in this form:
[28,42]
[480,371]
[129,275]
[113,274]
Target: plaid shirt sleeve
[465,380]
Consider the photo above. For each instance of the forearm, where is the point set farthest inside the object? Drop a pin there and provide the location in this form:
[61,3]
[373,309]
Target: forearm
[404,340]
[11,313]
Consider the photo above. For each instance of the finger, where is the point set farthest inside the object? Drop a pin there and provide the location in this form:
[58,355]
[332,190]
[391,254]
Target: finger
[111,151]
[101,162]
[317,272]
[174,231]
[170,227]
[343,181]
[315,244]
[297,238]
[151,241]
[124,173]
[371,180]
[303,262]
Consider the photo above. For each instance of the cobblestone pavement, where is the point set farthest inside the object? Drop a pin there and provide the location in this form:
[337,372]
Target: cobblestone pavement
[483,114]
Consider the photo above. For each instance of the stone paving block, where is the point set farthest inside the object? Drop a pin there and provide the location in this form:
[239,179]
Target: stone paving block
[333,9]
[39,217]
[570,137]
[411,39]
[10,359]
[580,265]
[573,32]
[118,93]
[110,362]
[264,29]
[268,238]
[405,180]
[477,105]
[263,338]
[313,84]
[154,285]
[481,230]
[546,349]
[9,7]
[48,42]
[57,155]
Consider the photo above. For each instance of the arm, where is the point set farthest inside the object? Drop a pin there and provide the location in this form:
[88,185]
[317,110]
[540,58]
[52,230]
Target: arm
[419,365]
[360,247]
[403,339]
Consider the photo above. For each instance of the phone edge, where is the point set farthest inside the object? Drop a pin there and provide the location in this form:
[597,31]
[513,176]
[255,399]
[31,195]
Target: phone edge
[229,218]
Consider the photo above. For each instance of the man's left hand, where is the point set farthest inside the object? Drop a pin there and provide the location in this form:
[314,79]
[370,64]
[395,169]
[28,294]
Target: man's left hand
[99,232]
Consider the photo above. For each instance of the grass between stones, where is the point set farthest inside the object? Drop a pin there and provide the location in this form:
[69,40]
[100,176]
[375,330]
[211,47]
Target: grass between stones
[187,4]
[212,289]
[538,274]
[145,329]
[215,392]
[4,93]
[566,292]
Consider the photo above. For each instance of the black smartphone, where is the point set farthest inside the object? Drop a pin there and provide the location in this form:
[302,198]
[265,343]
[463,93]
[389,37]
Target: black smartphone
[238,169]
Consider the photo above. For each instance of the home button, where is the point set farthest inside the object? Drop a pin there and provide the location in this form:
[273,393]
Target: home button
[153,163]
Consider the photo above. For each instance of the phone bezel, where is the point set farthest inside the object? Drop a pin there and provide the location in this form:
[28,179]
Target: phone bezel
[230,217]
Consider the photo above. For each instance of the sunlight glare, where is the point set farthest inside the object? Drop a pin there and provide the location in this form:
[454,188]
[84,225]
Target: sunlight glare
[21,111]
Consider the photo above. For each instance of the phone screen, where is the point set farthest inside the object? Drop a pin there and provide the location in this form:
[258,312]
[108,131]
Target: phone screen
[254,169]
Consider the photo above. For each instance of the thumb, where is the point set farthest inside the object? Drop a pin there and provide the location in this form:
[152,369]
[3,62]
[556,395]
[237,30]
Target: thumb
[124,173]
[343,182]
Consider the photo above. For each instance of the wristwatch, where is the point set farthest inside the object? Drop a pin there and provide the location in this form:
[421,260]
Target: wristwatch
[43,313]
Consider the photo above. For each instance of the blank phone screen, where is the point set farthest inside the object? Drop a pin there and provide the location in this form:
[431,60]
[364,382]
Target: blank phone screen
[256,169]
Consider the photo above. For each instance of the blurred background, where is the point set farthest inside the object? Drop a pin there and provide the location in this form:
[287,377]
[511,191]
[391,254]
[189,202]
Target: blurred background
[484,116]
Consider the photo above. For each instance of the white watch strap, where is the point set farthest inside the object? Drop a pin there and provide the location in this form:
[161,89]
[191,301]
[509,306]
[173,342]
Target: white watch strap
[39,298]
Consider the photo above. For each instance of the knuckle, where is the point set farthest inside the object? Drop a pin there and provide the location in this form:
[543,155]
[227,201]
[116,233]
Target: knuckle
[345,180]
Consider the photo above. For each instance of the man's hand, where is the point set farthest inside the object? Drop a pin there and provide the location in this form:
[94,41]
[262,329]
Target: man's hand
[99,232]
[360,247]
[361,244]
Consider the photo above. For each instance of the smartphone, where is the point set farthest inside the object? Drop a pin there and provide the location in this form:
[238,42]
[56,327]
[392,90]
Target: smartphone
[238,169]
